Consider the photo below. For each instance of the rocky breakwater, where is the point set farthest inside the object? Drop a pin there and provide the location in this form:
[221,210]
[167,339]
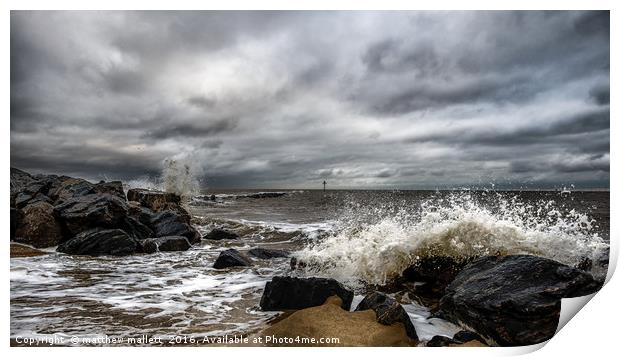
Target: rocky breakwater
[317,314]
[85,218]
[513,300]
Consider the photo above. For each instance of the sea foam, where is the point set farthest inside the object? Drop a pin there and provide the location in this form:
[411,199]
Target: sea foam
[375,244]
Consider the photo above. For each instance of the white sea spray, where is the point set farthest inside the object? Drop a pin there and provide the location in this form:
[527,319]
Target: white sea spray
[458,226]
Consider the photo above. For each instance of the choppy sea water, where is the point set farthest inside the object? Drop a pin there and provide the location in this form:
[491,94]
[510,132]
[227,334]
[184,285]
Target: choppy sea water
[357,237]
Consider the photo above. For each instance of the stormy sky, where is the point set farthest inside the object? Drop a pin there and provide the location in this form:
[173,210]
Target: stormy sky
[289,99]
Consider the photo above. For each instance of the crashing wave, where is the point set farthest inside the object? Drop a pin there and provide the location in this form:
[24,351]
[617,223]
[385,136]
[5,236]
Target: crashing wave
[457,226]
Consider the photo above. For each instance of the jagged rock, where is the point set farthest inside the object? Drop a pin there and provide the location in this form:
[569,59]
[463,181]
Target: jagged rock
[440,341]
[81,213]
[98,242]
[172,224]
[513,300]
[69,188]
[38,226]
[466,336]
[388,311]
[290,293]
[154,200]
[263,253]
[15,215]
[436,273]
[19,180]
[136,228]
[114,188]
[220,234]
[165,244]
[231,258]
[139,213]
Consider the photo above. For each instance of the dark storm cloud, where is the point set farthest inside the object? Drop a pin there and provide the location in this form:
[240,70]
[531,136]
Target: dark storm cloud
[289,99]
[192,130]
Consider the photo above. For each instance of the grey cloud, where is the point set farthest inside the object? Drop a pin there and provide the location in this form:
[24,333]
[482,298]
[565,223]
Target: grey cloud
[403,99]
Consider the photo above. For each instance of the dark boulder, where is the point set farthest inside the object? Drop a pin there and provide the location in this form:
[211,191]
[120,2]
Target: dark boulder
[139,213]
[15,215]
[513,300]
[435,273]
[169,223]
[231,258]
[290,293]
[114,188]
[459,338]
[19,180]
[466,336]
[440,341]
[265,195]
[263,253]
[38,226]
[388,311]
[136,228]
[81,213]
[220,234]
[98,242]
[166,244]
[68,188]
[154,200]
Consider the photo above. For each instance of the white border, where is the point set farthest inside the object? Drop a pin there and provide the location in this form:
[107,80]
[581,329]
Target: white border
[592,331]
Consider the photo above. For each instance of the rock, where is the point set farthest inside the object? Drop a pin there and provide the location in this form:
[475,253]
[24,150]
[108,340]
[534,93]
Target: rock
[231,258]
[81,213]
[19,180]
[38,226]
[461,338]
[136,228]
[436,273]
[139,213]
[513,300]
[439,341]
[20,251]
[263,253]
[172,224]
[219,234]
[290,293]
[466,336]
[15,215]
[331,319]
[69,188]
[114,188]
[96,242]
[388,311]
[165,244]
[265,195]
[154,200]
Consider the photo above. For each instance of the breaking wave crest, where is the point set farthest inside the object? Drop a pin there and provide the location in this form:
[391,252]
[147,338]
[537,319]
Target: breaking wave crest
[177,176]
[377,243]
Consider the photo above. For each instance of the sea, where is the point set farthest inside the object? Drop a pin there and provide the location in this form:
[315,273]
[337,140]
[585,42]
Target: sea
[360,238]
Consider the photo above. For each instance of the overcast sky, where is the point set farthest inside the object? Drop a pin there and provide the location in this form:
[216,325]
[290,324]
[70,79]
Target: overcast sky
[289,99]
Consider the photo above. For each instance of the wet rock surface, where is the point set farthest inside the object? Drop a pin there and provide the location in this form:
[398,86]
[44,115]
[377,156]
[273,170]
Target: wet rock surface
[166,244]
[264,253]
[98,242]
[231,258]
[153,200]
[220,234]
[291,293]
[388,311]
[513,300]
[38,226]
[170,223]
